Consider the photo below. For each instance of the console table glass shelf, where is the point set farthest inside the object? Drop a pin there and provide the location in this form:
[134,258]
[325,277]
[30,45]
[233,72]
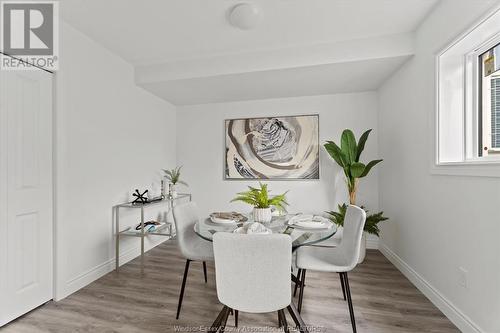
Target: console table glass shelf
[164,230]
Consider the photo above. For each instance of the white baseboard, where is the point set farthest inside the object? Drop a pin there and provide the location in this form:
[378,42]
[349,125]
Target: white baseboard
[457,317]
[98,271]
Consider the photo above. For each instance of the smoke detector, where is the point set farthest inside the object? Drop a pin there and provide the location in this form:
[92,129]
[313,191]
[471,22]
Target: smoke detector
[244,16]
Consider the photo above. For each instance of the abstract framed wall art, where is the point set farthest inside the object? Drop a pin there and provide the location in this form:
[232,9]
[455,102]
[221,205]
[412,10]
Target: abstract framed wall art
[272,148]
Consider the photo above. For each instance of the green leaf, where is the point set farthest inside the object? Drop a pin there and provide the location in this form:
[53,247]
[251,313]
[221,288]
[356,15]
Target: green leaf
[279,201]
[371,225]
[369,166]
[174,175]
[347,172]
[264,195]
[244,199]
[348,146]
[338,217]
[348,156]
[361,144]
[372,221]
[259,197]
[336,153]
[357,169]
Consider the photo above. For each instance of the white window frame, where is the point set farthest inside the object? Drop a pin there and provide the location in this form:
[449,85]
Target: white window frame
[468,164]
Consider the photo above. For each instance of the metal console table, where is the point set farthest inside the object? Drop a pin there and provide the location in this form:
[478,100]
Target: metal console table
[142,233]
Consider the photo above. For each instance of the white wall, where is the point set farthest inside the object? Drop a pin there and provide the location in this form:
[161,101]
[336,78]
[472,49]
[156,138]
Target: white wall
[438,223]
[200,149]
[111,137]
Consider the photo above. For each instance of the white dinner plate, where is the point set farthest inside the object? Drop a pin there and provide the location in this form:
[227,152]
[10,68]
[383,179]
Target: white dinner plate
[319,223]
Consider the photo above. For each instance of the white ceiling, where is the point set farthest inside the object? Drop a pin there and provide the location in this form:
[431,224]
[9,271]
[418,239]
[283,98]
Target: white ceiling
[156,31]
[303,81]
[186,52]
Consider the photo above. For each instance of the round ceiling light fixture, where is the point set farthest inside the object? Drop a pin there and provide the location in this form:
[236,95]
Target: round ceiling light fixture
[244,16]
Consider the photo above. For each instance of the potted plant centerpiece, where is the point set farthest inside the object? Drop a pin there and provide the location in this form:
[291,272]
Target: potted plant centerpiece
[173,176]
[347,156]
[261,201]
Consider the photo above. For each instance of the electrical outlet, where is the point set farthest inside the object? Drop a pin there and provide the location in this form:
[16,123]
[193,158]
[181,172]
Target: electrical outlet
[462,277]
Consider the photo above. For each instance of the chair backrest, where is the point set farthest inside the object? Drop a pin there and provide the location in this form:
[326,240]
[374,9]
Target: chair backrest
[253,271]
[185,217]
[354,223]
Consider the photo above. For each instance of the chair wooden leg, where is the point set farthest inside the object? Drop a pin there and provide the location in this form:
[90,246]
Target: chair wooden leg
[181,296]
[297,282]
[282,319]
[342,284]
[302,284]
[218,321]
[279,320]
[236,313]
[205,271]
[297,319]
[349,301]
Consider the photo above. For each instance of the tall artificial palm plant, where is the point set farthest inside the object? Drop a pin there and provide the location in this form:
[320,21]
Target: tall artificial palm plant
[348,157]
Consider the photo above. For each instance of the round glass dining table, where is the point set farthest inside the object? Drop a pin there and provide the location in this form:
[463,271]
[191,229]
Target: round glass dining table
[205,228]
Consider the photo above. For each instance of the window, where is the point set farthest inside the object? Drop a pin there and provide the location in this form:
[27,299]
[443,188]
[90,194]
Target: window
[489,102]
[468,101]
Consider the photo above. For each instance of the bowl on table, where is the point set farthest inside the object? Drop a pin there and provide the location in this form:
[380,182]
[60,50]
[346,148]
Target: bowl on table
[227,217]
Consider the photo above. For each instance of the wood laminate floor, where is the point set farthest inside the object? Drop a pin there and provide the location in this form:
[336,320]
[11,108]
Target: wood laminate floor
[128,301]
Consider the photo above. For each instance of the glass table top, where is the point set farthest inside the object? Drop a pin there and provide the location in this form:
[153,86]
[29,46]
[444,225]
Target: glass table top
[205,228]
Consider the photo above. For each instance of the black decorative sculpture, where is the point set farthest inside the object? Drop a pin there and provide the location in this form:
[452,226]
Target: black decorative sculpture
[140,198]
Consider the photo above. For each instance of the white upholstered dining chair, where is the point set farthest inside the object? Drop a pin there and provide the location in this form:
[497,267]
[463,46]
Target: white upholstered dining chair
[333,241]
[253,275]
[192,247]
[341,259]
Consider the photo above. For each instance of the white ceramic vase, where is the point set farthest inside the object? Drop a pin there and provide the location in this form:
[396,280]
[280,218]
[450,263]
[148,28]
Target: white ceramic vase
[362,249]
[262,215]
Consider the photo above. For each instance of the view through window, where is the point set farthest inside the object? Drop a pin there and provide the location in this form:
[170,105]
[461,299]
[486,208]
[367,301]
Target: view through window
[489,102]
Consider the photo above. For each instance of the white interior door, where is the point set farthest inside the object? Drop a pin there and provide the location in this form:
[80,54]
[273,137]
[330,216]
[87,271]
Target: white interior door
[26,222]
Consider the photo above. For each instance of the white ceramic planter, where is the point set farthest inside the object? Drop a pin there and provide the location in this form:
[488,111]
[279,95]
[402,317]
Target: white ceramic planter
[362,249]
[262,215]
